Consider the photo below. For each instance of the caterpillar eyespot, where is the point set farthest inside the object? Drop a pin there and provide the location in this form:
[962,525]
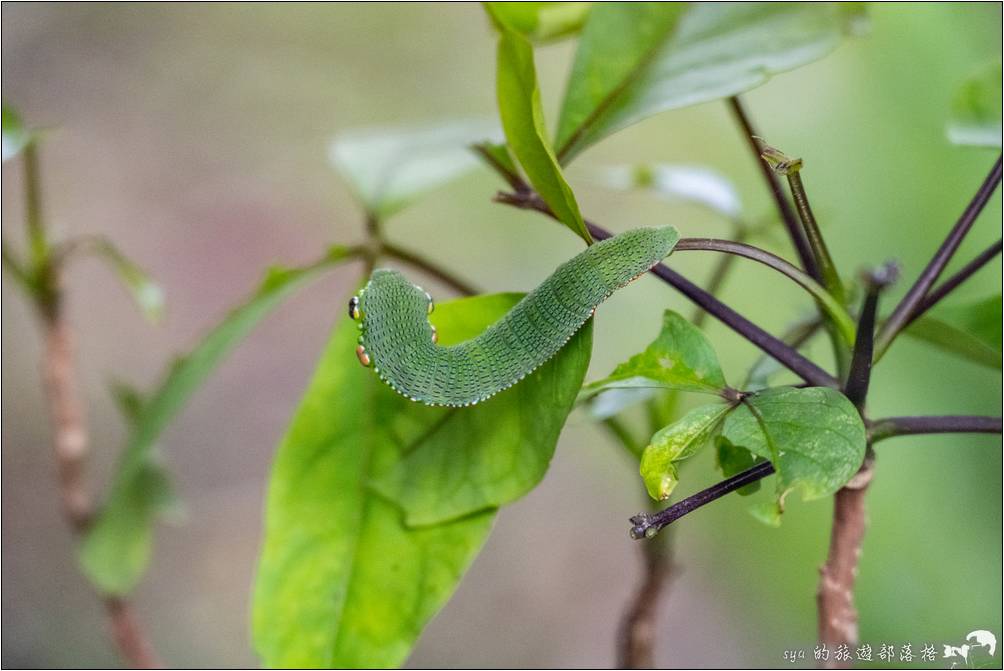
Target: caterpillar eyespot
[397,338]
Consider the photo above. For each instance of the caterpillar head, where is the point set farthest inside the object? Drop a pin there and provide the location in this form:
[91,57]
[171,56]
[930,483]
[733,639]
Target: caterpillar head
[382,307]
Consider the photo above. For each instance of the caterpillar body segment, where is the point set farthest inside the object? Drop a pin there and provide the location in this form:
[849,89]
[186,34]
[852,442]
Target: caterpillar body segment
[398,341]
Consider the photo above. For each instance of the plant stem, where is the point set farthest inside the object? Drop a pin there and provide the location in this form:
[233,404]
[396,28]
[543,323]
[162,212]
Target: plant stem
[955,280]
[890,427]
[66,410]
[444,276]
[837,617]
[828,269]
[901,315]
[37,242]
[860,373]
[645,525]
[774,186]
[70,439]
[833,308]
[637,630]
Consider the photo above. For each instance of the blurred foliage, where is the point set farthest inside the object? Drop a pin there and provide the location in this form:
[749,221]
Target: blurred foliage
[116,549]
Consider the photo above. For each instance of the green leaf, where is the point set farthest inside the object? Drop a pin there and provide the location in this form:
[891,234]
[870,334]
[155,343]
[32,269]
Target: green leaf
[679,358]
[976,110]
[342,580]
[972,331]
[635,60]
[676,442]
[116,549]
[523,121]
[15,135]
[391,167]
[813,436]
[732,460]
[492,453]
[678,183]
[147,293]
[542,21]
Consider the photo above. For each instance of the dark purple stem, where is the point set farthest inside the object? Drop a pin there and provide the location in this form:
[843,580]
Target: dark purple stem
[900,317]
[949,285]
[645,525]
[907,426]
[860,372]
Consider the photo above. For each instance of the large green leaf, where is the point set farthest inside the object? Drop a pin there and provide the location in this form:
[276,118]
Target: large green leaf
[15,134]
[633,62]
[679,358]
[523,121]
[343,580]
[676,442]
[492,453]
[116,549]
[976,110]
[391,167]
[542,21]
[813,436]
[972,331]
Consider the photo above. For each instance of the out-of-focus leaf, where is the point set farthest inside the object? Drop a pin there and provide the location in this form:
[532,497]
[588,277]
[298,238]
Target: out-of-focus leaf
[343,581]
[813,436]
[391,167]
[116,549]
[635,61]
[492,453]
[542,21]
[732,460]
[612,401]
[976,110]
[675,443]
[971,331]
[147,293]
[15,135]
[693,184]
[679,358]
[523,121]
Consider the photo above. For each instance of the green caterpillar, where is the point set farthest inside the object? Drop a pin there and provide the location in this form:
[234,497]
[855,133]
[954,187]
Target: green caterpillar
[400,343]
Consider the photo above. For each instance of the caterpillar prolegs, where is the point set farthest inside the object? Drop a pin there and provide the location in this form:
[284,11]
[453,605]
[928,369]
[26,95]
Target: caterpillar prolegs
[399,342]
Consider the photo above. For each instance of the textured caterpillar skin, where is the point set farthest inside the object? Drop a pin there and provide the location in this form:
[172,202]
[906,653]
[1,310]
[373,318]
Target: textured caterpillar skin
[398,340]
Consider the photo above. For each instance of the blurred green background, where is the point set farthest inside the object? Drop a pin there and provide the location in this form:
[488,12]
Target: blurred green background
[196,135]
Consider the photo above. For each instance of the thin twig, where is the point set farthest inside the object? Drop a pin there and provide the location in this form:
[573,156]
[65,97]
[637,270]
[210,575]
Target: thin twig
[833,308]
[890,427]
[786,355]
[901,315]
[444,276]
[784,208]
[953,282]
[645,525]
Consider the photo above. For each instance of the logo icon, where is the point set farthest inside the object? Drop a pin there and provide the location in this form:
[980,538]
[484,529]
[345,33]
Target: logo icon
[975,640]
